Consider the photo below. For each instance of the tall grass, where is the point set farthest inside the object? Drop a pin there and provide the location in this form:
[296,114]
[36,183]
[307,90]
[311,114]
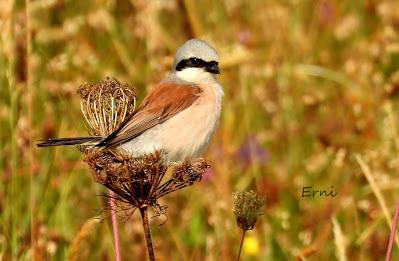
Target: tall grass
[308,85]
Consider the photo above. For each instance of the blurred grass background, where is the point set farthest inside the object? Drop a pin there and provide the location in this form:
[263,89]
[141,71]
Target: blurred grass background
[309,85]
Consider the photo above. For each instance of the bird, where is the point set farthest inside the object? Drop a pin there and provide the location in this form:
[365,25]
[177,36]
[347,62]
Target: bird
[178,116]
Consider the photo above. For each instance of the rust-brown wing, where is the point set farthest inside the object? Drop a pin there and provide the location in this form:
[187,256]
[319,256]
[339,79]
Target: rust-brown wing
[162,103]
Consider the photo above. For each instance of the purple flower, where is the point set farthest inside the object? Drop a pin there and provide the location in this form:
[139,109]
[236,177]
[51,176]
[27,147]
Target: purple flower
[250,152]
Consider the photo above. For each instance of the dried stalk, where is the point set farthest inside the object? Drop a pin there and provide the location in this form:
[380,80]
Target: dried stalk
[115,228]
[147,232]
[241,243]
[392,234]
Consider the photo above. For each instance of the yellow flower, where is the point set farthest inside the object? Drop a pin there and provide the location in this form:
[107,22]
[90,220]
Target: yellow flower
[251,246]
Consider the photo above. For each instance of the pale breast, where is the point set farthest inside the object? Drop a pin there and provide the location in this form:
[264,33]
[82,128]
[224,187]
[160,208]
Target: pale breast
[187,134]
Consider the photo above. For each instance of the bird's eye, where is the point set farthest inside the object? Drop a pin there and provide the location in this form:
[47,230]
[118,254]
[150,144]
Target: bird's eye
[194,61]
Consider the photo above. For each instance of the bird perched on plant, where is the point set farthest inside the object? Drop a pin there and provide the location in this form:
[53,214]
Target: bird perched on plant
[179,115]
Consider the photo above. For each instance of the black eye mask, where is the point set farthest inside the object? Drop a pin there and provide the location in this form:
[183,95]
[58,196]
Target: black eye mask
[211,67]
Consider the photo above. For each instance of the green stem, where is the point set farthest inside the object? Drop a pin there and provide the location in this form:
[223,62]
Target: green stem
[29,89]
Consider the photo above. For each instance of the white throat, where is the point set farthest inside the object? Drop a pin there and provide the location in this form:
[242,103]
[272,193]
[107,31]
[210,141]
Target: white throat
[195,75]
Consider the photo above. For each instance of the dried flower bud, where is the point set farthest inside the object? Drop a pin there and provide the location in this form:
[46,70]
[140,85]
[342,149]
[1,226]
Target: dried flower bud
[247,208]
[106,104]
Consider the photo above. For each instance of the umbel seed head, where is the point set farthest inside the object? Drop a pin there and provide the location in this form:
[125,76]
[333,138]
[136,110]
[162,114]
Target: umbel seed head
[247,208]
[106,104]
[141,182]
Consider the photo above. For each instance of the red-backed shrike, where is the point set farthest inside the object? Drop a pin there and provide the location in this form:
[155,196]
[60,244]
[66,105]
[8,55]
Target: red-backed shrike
[179,116]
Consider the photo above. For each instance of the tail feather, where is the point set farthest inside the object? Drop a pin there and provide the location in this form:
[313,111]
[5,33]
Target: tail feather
[70,141]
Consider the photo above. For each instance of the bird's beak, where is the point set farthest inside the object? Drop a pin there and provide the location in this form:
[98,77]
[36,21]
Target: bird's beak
[213,68]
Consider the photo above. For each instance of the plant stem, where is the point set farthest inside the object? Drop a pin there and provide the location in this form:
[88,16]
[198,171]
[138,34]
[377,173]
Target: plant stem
[392,234]
[115,229]
[241,243]
[30,91]
[147,233]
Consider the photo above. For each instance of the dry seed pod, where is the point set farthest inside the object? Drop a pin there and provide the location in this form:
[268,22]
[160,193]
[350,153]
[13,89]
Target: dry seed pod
[247,208]
[106,104]
[140,182]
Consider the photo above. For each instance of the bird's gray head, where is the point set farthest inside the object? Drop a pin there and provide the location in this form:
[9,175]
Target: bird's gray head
[196,53]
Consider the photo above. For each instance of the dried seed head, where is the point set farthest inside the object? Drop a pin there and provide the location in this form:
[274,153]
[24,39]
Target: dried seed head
[247,208]
[140,182]
[106,104]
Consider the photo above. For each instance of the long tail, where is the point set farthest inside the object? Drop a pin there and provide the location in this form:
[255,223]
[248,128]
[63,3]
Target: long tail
[70,141]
